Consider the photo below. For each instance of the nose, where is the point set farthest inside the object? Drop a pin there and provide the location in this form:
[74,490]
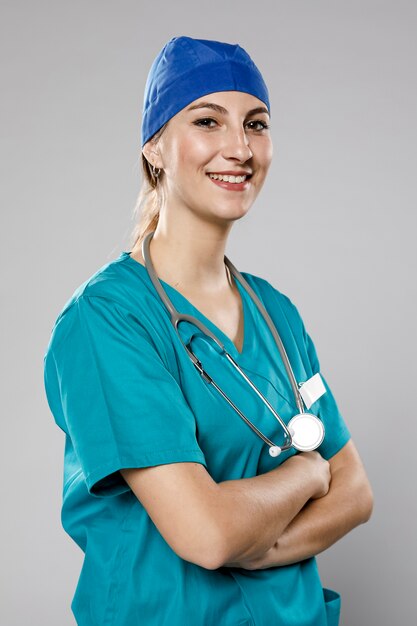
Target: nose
[236,145]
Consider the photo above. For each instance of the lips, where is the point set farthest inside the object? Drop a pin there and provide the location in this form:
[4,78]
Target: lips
[231,174]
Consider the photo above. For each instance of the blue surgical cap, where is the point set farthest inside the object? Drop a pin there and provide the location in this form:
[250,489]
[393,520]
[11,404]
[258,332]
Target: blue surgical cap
[186,69]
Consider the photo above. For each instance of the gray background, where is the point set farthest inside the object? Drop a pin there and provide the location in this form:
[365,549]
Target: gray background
[334,228]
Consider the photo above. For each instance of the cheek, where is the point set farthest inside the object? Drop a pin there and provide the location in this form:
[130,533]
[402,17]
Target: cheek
[263,151]
[268,152]
[193,153]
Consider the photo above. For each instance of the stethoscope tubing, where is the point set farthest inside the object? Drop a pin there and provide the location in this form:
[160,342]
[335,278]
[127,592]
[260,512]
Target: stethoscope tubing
[177,317]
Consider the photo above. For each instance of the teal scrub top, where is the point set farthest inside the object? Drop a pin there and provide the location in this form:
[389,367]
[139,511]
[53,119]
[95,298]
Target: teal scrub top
[121,386]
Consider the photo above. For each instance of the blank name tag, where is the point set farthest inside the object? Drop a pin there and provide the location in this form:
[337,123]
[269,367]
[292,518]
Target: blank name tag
[312,390]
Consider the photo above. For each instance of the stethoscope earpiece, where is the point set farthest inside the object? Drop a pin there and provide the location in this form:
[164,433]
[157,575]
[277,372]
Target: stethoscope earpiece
[275,450]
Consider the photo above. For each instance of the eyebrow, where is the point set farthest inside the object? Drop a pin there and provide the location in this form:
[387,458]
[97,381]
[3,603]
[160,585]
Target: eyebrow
[222,110]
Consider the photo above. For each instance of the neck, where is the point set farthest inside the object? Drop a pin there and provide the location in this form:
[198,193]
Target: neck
[191,259]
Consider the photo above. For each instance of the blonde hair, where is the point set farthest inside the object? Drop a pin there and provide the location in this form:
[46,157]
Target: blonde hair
[148,203]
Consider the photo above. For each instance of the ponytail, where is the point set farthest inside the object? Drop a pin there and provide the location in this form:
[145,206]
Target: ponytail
[148,204]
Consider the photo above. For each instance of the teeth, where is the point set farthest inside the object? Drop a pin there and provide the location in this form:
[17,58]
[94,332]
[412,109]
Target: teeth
[229,179]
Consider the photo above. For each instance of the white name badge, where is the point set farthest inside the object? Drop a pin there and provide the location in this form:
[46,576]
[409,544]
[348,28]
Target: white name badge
[312,390]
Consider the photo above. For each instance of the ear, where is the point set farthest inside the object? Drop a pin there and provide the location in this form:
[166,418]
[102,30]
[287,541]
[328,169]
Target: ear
[151,154]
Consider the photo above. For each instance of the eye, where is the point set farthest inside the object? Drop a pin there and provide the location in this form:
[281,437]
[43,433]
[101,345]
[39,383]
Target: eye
[202,123]
[205,119]
[264,125]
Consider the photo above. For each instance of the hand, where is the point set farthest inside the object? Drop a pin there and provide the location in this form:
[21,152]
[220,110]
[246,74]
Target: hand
[319,469]
[316,471]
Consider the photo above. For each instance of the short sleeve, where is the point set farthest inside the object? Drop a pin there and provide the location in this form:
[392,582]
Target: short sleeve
[337,433]
[118,402]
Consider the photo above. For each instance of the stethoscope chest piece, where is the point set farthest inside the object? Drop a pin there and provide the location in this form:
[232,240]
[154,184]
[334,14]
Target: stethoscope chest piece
[307,431]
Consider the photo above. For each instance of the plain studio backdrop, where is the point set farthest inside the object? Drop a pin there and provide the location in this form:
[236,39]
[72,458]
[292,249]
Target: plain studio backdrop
[334,228]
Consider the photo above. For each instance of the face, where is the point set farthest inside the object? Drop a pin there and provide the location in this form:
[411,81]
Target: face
[229,135]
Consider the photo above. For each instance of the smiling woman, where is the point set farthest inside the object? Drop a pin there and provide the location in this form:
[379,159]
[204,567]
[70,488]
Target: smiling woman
[159,469]
[235,142]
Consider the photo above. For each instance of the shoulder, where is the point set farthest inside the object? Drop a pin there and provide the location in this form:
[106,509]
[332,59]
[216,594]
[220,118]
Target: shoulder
[271,296]
[116,286]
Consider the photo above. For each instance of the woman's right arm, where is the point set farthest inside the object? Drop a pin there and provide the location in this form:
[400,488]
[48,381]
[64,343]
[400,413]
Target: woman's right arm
[211,523]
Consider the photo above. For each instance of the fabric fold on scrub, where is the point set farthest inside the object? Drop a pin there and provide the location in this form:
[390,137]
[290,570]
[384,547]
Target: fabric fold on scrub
[122,389]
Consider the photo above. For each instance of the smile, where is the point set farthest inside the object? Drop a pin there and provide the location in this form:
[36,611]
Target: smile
[231,183]
[228,178]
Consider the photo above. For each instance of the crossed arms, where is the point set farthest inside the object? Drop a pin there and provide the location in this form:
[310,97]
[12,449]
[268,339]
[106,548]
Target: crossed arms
[321,522]
[268,520]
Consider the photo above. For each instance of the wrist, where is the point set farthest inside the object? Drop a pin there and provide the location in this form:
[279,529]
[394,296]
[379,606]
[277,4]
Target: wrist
[307,476]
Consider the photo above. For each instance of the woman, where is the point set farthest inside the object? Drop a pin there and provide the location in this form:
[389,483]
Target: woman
[184,517]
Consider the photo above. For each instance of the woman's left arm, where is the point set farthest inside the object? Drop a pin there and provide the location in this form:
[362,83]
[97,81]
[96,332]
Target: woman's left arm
[322,522]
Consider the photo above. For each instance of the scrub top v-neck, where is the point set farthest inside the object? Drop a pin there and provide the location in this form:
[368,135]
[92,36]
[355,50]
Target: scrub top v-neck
[122,388]
[182,302]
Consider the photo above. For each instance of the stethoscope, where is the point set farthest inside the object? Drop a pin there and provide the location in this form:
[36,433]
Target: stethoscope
[304,431]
